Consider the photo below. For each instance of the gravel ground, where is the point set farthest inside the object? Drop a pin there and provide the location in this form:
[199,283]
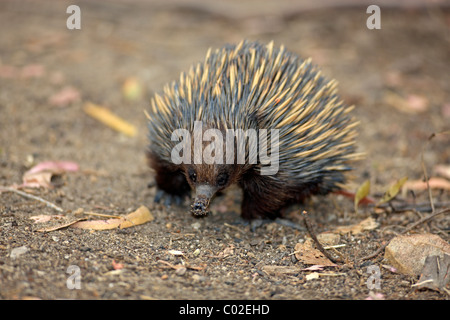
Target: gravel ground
[398,78]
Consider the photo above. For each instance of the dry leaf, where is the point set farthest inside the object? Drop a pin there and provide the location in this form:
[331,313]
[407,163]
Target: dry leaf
[305,253]
[108,118]
[99,224]
[392,191]
[41,174]
[435,274]
[37,180]
[361,193]
[365,225]
[140,216]
[55,167]
[61,226]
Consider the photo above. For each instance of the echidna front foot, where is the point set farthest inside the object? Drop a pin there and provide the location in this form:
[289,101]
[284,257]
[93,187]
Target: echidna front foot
[168,198]
[255,208]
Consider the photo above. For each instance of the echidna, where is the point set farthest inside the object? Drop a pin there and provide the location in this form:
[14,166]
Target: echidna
[251,90]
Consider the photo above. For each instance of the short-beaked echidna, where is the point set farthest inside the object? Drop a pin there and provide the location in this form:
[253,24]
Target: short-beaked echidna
[248,88]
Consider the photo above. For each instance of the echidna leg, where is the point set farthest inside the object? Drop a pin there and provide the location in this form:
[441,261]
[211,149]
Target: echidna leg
[171,183]
[262,199]
[172,186]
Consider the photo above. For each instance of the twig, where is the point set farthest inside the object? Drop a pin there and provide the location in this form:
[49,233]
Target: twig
[377,252]
[30,196]
[233,227]
[313,236]
[422,162]
[425,219]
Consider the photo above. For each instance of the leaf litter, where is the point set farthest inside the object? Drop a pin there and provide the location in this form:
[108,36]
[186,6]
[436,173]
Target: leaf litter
[140,216]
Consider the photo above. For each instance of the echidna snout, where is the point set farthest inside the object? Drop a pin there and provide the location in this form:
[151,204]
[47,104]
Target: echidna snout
[203,195]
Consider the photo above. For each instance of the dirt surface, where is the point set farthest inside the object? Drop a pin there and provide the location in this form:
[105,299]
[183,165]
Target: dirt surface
[398,77]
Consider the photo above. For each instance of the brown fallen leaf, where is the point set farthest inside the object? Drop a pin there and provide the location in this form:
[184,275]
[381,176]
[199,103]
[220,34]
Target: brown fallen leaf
[61,226]
[55,166]
[365,225]
[110,119]
[41,174]
[435,274]
[140,216]
[37,180]
[305,253]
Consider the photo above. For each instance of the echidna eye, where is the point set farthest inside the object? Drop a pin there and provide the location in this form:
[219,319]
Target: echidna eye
[222,179]
[192,175]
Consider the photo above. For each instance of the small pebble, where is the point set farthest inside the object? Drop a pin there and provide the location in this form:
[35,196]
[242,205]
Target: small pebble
[16,252]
